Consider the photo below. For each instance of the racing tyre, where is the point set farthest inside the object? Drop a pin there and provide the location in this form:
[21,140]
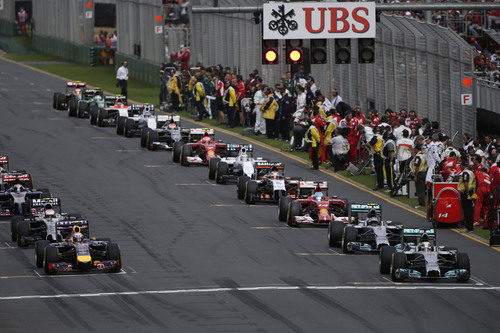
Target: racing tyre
[222,170]
[283,204]
[59,101]
[294,209]
[144,137]
[14,221]
[120,125]
[385,259]
[185,152]
[151,138]
[129,126]
[102,114]
[54,100]
[212,167]
[350,235]
[463,262]
[335,233]
[93,115]
[23,229]
[250,192]
[72,108]
[82,107]
[398,261]
[241,186]
[113,253]
[176,151]
[50,256]
[39,250]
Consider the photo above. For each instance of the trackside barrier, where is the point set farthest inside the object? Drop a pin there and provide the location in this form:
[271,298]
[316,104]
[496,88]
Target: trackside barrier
[64,49]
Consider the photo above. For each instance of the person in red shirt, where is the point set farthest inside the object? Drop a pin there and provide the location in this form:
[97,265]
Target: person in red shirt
[183,56]
[449,167]
[412,120]
[374,118]
[353,139]
[483,183]
[348,121]
[477,163]
[240,94]
[22,19]
[495,185]
[359,116]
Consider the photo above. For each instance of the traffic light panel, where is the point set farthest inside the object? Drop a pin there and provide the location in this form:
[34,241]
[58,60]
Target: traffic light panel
[318,51]
[270,53]
[342,51]
[366,50]
[294,51]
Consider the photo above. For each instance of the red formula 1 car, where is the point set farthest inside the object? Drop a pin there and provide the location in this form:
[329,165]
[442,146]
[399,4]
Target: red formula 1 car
[201,151]
[443,204]
[317,209]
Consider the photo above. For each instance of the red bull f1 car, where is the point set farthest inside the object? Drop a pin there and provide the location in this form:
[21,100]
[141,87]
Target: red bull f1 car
[79,254]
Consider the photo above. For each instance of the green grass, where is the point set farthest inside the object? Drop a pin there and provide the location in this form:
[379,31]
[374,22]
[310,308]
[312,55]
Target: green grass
[479,231]
[24,40]
[34,57]
[104,77]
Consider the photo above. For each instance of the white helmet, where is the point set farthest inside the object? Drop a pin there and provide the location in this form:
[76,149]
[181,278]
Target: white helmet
[50,214]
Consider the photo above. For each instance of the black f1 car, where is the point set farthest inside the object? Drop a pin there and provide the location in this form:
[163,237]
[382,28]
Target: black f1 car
[78,254]
[72,94]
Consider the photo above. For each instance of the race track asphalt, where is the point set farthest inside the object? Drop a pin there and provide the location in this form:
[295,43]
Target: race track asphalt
[196,259]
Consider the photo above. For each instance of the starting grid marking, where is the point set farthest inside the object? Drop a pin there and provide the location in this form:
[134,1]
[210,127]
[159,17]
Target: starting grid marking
[37,275]
[399,287]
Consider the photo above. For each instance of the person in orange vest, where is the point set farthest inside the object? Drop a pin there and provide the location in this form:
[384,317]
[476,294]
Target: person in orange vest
[483,184]
[22,19]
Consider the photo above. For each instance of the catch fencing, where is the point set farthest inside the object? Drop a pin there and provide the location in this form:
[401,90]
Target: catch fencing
[419,66]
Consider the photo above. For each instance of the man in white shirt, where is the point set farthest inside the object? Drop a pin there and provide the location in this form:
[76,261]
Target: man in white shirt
[336,99]
[340,148]
[259,99]
[398,131]
[122,78]
[404,149]
[301,104]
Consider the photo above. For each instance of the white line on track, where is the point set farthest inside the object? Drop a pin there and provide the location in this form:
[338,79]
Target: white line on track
[252,289]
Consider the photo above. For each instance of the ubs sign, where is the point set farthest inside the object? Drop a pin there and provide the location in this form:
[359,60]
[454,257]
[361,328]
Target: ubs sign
[314,20]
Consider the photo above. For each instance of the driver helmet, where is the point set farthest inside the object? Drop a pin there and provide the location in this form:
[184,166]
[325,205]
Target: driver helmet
[49,213]
[77,237]
[98,98]
[274,175]
[206,139]
[425,246]
[373,221]
[18,187]
[318,196]
[172,124]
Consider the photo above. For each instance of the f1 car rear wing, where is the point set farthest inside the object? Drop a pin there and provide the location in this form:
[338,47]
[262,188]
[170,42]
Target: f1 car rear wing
[142,107]
[356,209]
[76,84]
[4,162]
[9,180]
[308,188]
[236,147]
[89,93]
[66,227]
[202,131]
[40,204]
[269,165]
[414,235]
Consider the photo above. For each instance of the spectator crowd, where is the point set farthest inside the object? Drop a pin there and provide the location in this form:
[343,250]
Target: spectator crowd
[338,135]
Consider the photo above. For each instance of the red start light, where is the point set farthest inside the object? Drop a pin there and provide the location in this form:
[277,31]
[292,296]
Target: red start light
[295,55]
[271,56]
